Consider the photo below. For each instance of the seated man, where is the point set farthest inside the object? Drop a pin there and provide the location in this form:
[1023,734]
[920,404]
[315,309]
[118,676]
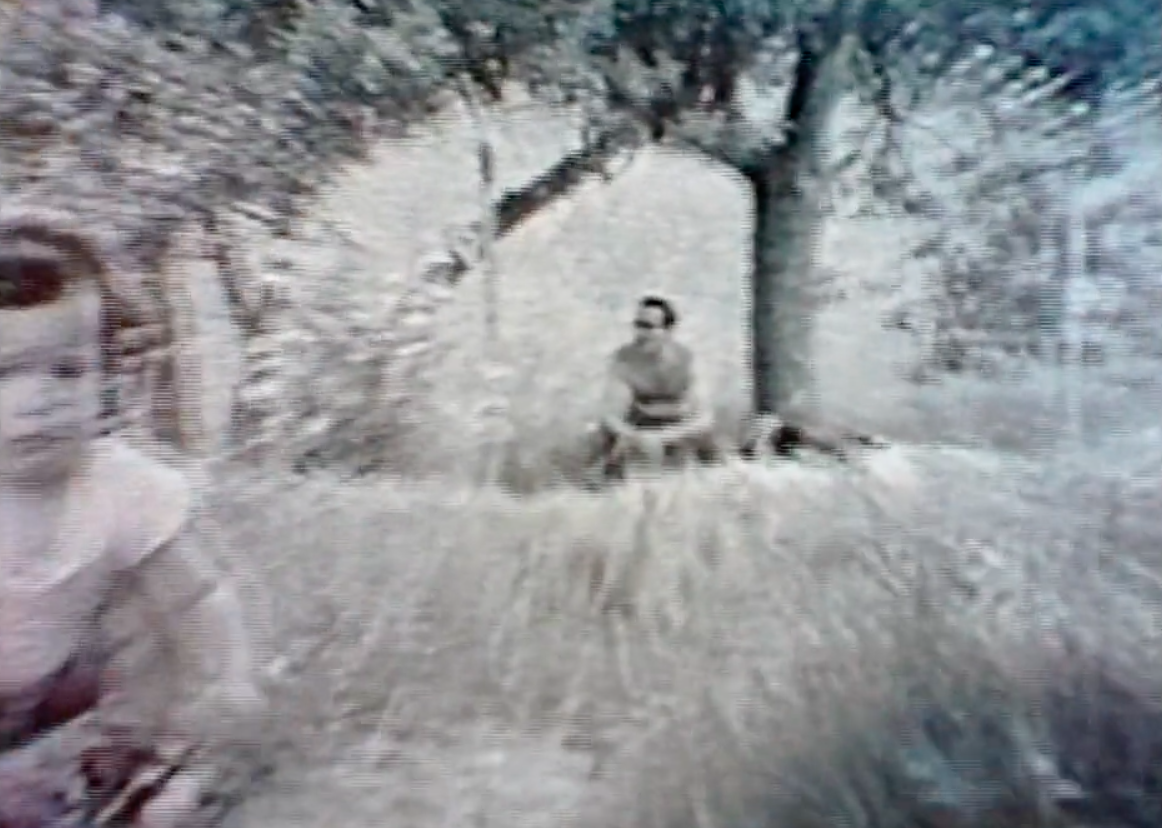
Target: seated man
[84,519]
[651,409]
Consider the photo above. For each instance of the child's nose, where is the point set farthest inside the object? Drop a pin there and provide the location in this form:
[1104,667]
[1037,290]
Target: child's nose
[46,395]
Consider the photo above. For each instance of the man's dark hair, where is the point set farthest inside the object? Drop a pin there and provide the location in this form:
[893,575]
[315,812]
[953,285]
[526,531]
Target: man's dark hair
[669,315]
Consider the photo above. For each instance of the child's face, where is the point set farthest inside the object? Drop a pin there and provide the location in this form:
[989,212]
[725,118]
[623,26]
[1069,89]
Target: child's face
[49,384]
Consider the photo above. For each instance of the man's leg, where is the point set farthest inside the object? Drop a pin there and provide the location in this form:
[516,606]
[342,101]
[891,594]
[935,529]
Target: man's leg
[703,447]
[708,449]
[647,456]
[602,458]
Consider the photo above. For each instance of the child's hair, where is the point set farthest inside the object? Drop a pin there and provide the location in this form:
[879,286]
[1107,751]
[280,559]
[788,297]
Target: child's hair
[42,255]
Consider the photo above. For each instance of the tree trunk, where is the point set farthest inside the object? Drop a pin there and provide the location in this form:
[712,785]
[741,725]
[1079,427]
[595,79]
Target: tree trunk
[787,221]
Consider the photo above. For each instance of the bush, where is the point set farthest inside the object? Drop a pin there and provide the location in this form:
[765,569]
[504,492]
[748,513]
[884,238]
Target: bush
[142,134]
[1005,190]
[336,379]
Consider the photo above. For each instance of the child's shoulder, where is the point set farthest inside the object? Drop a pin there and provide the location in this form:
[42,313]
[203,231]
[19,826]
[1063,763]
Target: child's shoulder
[151,500]
[113,455]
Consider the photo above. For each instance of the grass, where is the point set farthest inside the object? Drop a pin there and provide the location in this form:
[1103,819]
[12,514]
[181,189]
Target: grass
[751,644]
[746,637]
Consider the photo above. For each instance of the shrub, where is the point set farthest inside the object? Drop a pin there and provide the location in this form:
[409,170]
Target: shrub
[1009,187]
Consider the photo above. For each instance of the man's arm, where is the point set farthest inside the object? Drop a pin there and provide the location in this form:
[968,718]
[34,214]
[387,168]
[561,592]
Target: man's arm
[616,398]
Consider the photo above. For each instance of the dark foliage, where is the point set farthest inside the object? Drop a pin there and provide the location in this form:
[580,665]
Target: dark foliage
[1077,747]
[140,133]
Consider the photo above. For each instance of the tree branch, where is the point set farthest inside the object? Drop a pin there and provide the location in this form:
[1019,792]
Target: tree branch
[517,205]
[648,94]
[731,139]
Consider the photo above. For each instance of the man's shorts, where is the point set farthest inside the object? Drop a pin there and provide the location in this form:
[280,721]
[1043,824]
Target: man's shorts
[705,449]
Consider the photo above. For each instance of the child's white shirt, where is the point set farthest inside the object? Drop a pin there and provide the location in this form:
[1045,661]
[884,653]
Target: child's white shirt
[119,511]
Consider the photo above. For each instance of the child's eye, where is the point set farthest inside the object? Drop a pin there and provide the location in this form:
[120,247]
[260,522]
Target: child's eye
[70,369]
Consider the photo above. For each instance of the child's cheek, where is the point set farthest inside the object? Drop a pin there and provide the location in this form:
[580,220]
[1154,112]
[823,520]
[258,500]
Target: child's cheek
[87,400]
[17,394]
[7,411]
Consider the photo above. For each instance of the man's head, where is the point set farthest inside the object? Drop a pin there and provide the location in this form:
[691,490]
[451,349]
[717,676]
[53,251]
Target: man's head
[654,320]
[50,351]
